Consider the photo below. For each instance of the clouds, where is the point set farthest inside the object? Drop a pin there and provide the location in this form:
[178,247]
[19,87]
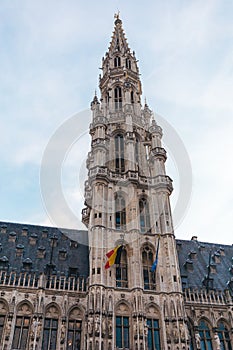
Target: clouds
[50,54]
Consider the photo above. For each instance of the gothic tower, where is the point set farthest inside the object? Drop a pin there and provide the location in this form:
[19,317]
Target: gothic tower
[127,204]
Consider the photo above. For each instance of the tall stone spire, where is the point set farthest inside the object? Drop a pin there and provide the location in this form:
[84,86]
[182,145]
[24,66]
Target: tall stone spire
[120,84]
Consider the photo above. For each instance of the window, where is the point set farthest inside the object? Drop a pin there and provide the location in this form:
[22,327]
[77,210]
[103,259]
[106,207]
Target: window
[147,262]
[21,332]
[122,332]
[118,98]
[224,337]
[74,335]
[50,334]
[128,63]
[119,154]
[206,343]
[122,271]
[153,334]
[144,216]
[120,212]
[131,97]
[137,151]
[117,61]
[2,321]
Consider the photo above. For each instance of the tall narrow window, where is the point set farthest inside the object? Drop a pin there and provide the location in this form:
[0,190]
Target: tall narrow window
[153,334]
[206,343]
[118,98]
[119,154]
[50,334]
[74,335]
[3,312]
[144,215]
[20,339]
[137,150]
[131,97]
[50,328]
[2,321]
[120,212]
[122,271]
[117,61]
[122,332]
[147,261]
[224,337]
[128,63]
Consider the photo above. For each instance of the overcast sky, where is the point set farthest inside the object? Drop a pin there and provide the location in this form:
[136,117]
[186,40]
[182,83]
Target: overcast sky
[49,59]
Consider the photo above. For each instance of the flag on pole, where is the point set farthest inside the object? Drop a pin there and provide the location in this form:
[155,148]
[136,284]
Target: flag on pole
[114,256]
[155,263]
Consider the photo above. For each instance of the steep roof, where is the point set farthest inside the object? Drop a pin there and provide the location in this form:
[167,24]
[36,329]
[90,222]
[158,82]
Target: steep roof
[29,248]
[205,264]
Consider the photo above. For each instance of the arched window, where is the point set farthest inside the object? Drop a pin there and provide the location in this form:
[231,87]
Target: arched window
[204,331]
[147,262]
[118,98]
[50,329]
[74,330]
[3,312]
[117,61]
[144,215]
[122,332]
[131,97]
[128,63]
[22,325]
[122,271]
[224,337]
[120,212]
[119,154]
[153,334]
[137,150]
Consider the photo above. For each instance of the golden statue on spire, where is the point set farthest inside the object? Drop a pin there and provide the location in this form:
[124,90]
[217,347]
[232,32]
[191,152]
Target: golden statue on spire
[117,15]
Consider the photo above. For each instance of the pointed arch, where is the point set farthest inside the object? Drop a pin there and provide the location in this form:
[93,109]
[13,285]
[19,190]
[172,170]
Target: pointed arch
[144,215]
[147,262]
[120,211]
[118,98]
[123,312]
[74,332]
[22,325]
[119,153]
[52,313]
[223,331]
[205,334]
[4,308]
[117,61]
[122,270]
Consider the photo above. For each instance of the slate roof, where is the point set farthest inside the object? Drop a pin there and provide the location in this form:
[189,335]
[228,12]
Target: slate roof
[197,259]
[29,247]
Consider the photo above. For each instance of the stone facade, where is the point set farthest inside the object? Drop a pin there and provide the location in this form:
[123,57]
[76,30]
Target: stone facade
[56,293]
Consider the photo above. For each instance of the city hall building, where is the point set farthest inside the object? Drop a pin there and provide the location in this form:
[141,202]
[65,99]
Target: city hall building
[160,293]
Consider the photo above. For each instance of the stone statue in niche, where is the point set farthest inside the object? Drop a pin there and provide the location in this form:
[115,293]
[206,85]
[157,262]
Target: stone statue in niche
[63,332]
[198,340]
[217,341]
[90,325]
[97,324]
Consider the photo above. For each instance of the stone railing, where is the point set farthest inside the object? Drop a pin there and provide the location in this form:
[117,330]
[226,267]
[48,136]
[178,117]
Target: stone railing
[203,296]
[31,280]
[131,175]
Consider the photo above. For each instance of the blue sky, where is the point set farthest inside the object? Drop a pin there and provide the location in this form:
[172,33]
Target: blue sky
[50,58]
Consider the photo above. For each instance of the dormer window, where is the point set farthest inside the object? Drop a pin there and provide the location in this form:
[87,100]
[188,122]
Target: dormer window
[117,61]
[4,262]
[62,254]
[27,264]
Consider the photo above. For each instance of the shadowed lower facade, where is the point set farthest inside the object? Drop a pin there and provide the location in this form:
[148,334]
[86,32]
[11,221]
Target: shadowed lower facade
[55,293]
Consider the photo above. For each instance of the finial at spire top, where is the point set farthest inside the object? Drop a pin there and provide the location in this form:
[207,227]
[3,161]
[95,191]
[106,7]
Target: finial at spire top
[117,16]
